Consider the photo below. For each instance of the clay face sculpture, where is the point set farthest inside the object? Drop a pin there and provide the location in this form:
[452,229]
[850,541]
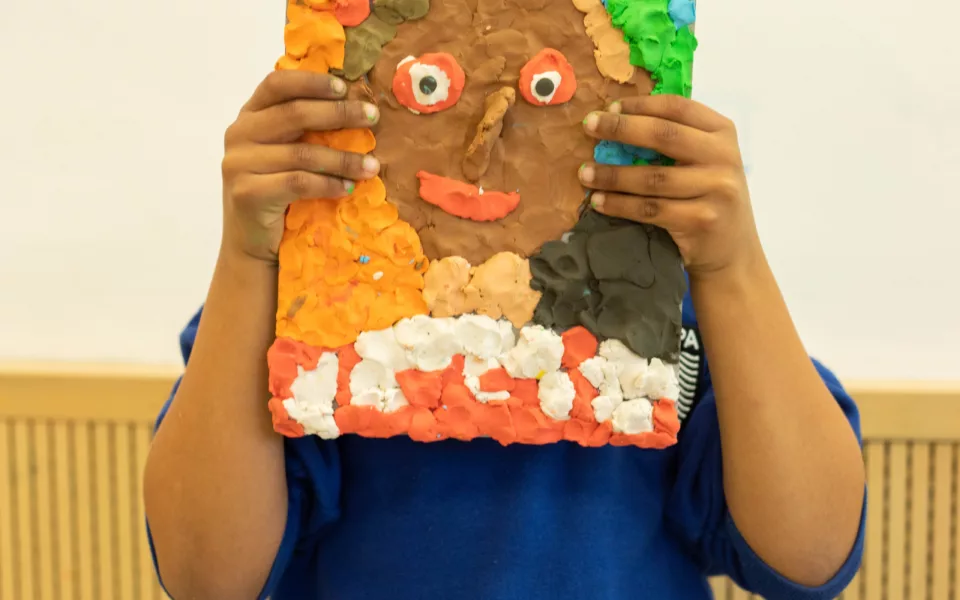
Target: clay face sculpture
[469,291]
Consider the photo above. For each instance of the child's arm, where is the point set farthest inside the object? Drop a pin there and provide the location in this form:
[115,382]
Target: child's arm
[792,470]
[215,485]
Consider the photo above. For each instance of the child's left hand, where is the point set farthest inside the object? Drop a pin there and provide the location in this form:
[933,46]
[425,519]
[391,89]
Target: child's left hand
[702,201]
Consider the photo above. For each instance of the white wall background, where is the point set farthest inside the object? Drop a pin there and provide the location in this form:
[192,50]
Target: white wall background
[111,121]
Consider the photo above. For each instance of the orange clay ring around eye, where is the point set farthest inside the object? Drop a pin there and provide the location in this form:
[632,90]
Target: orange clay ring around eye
[428,84]
[547,79]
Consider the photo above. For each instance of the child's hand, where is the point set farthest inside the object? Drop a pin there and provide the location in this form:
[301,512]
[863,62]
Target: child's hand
[702,201]
[265,168]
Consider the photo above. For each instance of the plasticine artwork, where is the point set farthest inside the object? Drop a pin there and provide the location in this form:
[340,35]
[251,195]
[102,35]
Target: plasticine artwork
[469,291]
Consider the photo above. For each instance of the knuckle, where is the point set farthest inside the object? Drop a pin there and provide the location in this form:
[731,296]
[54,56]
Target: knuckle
[605,177]
[341,113]
[665,131]
[707,218]
[293,112]
[273,81]
[227,165]
[231,135]
[618,125]
[656,179]
[650,208]
[728,186]
[298,183]
[303,156]
[674,107]
[350,164]
[243,194]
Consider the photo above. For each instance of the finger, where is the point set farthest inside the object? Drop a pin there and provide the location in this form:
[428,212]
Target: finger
[672,215]
[282,86]
[678,109]
[289,121]
[680,142]
[275,158]
[667,182]
[284,188]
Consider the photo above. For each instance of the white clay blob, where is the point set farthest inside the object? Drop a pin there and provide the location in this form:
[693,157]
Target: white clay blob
[313,420]
[633,417]
[480,336]
[556,394]
[441,91]
[538,351]
[603,407]
[317,387]
[551,76]
[394,400]
[370,375]
[382,347]
[661,381]
[430,343]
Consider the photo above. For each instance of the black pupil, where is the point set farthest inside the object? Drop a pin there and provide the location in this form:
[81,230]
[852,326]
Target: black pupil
[428,85]
[544,87]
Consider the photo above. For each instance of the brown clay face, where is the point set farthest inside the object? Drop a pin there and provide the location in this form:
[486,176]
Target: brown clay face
[540,148]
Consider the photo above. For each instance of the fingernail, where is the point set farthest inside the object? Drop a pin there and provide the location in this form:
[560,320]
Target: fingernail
[591,122]
[615,107]
[338,86]
[587,174]
[596,201]
[349,186]
[370,165]
[370,112]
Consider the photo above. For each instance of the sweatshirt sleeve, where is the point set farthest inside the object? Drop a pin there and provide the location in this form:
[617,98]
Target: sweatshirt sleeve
[699,514]
[313,487]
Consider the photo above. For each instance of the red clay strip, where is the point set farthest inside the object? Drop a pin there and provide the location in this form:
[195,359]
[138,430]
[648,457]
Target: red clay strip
[465,200]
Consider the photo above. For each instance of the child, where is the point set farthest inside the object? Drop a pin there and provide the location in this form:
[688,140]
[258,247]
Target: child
[237,511]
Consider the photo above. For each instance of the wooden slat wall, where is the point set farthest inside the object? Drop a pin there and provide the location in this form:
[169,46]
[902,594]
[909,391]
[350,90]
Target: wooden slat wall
[71,522]
[71,512]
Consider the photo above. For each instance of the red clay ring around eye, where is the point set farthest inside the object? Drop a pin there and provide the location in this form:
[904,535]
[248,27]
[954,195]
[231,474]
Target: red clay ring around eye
[403,85]
[548,59]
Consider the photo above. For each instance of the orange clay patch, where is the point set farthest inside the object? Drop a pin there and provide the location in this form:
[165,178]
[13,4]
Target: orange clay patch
[546,61]
[578,345]
[525,391]
[351,13]
[496,380]
[283,358]
[454,373]
[282,423]
[347,359]
[665,417]
[582,407]
[346,265]
[465,200]
[420,388]
[314,40]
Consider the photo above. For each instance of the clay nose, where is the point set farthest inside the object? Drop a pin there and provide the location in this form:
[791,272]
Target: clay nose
[477,159]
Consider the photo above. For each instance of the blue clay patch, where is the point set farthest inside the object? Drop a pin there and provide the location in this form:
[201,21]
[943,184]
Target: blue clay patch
[683,12]
[615,153]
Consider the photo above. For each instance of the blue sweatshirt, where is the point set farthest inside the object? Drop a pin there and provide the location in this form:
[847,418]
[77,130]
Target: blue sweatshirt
[396,519]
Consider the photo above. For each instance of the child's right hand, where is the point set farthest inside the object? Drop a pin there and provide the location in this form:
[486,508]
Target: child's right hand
[265,168]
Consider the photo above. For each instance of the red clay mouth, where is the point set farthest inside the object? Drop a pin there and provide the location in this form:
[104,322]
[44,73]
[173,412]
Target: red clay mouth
[465,200]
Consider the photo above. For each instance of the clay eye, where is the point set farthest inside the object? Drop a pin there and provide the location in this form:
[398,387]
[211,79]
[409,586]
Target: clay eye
[428,84]
[547,79]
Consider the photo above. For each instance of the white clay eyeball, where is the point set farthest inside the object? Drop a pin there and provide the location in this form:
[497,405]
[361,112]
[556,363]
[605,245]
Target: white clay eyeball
[545,85]
[429,83]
